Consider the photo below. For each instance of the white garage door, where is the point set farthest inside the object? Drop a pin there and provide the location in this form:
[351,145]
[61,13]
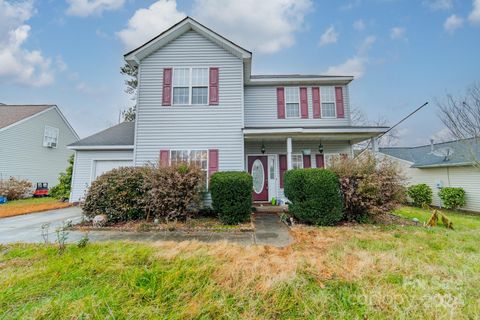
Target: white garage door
[102,166]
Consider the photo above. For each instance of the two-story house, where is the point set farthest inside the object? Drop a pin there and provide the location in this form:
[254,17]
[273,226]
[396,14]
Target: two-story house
[33,142]
[199,103]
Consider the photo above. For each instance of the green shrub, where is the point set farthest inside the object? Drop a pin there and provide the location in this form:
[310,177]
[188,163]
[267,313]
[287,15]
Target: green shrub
[369,185]
[314,195]
[421,194]
[62,189]
[14,189]
[452,198]
[232,196]
[174,192]
[119,194]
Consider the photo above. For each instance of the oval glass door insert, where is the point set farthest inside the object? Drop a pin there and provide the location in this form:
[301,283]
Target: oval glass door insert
[258,174]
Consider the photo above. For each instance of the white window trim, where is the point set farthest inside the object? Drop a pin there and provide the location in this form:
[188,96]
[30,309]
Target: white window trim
[190,150]
[285,99]
[334,103]
[190,86]
[301,157]
[44,135]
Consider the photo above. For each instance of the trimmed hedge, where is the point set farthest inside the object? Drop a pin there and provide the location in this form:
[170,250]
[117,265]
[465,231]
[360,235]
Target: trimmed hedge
[421,194]
[232,196]
[452,198]
[314,195]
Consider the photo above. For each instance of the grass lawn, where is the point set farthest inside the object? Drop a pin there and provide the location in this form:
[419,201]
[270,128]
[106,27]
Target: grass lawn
[349,272]
[23,206]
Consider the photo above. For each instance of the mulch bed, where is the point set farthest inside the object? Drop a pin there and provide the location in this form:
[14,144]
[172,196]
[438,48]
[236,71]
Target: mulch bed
[197,224]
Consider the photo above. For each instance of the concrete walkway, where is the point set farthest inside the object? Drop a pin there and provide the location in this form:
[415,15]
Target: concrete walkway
[28,228]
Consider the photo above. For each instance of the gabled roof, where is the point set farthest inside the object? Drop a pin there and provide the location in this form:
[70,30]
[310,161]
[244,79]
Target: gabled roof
[120,136]
[177,30]
[11,114]
[445,154]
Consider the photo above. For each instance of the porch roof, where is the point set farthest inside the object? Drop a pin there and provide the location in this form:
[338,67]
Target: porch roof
[354,134]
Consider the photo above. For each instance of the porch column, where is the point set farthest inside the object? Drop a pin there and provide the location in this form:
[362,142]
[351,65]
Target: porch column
[289,153]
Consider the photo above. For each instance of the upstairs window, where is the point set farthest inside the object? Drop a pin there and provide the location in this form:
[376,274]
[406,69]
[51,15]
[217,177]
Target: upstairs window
[50,137]
[292,102]
[327,95]
[181,86]
[190,86]
[199,85]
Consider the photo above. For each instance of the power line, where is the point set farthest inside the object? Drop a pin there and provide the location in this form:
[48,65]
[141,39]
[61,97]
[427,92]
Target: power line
[395,125]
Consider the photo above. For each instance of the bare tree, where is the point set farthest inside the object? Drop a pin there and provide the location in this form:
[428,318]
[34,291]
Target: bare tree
[461,116]
[359,118]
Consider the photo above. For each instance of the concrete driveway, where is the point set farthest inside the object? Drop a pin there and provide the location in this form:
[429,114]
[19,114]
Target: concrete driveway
[28,227]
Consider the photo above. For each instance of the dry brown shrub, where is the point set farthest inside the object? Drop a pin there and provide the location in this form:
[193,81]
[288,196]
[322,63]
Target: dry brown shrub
[14,189]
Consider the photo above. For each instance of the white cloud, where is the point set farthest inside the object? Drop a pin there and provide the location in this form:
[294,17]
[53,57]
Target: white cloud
[439,4]
[355,66]
[398,33]
[366,44]
[453,23]
[149,22]
[352,67]
[474,16]
[359,25]
[84,8]
[329,36]
[265,26]
[19,65]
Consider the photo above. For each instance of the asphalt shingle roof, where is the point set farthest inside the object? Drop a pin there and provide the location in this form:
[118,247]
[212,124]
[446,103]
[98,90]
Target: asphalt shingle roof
[458,152]
[120,135]
[10,114]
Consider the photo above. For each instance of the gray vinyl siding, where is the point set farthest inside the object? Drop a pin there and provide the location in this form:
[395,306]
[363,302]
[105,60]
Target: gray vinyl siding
[280,147]
[190,127]
[261,109]
[23,156]
[82,169]
[466,177]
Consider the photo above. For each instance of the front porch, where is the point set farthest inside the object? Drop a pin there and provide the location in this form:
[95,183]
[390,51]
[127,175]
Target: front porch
[269,152]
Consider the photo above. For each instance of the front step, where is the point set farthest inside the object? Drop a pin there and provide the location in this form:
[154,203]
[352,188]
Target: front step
[268,208]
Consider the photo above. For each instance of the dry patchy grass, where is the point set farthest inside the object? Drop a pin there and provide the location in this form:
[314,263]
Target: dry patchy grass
[348,272]
[24,206]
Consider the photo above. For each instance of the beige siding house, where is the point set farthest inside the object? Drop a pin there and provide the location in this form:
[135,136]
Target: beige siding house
[33,142]
[447,164]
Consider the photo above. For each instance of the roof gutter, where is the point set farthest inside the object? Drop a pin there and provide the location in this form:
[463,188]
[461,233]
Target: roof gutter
[73,147]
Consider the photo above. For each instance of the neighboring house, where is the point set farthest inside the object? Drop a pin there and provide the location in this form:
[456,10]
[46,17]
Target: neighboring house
[198,102]
[447,164]
[33,142]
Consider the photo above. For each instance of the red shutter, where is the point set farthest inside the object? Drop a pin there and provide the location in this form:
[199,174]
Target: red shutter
[167,87]
[212,161]
[320,160]
[283,167]
[213,100]
[281,103]
[307,161]
[164,158]
[304,102]
[339,98]
[316,102]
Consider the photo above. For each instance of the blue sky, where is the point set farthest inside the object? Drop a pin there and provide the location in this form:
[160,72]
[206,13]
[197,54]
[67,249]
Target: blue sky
[403,53]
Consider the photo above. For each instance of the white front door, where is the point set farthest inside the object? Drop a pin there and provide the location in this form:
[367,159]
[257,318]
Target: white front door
[272,177]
